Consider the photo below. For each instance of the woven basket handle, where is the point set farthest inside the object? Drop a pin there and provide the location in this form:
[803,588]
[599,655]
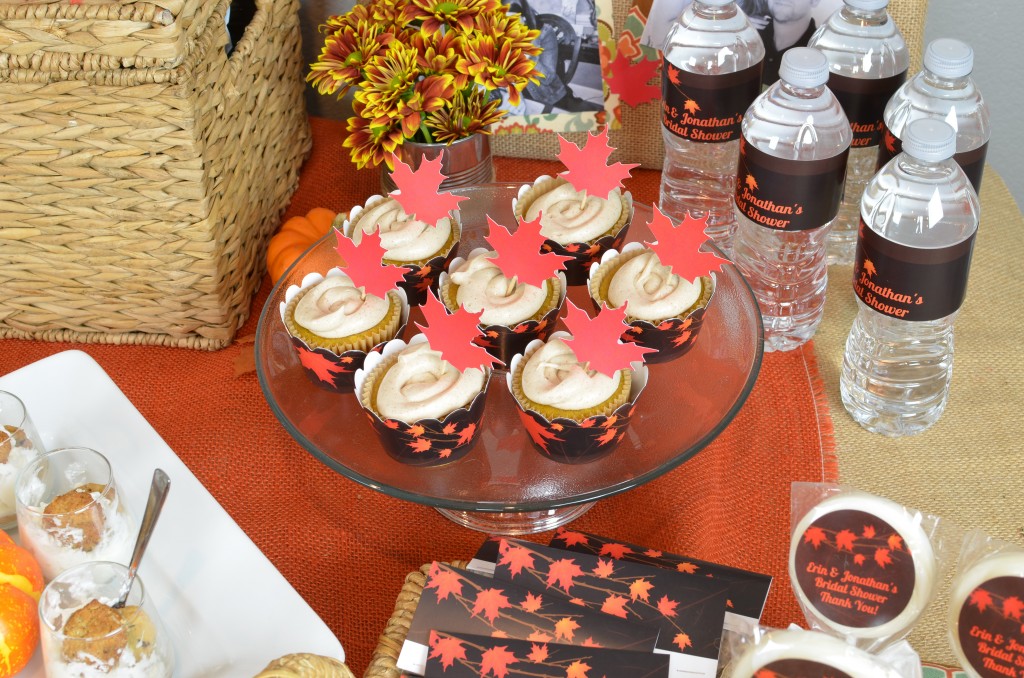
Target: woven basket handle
[244,47]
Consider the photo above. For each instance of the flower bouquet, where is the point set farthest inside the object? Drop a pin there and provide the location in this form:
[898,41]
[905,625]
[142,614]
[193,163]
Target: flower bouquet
[430,71]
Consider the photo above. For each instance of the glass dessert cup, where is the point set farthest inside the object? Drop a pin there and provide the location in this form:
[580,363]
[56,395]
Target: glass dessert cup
[70,511]
[83,635]
[19,445]
[504,485]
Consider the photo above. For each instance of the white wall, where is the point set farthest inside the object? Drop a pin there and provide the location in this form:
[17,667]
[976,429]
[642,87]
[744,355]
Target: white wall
[993,29]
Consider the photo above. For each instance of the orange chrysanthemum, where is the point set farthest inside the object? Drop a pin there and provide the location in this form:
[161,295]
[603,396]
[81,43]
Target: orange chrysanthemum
[369,144]
[432,93]
[497,65]
[467,115]
[459,14]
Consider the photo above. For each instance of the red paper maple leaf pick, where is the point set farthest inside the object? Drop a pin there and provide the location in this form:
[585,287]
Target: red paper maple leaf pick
[362,263]
[454,335]
[678,247]
[419,192]
[631,79]
[596,340]
[519,254]
[588,169]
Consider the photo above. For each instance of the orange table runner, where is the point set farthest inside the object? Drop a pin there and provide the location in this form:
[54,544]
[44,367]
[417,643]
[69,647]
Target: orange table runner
[346,548]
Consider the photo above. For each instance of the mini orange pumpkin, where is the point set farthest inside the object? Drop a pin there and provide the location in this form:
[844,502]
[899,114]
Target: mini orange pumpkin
[21,582]
[294,237]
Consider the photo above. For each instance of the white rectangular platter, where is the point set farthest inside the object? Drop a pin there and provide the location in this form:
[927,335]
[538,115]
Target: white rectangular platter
[227,608]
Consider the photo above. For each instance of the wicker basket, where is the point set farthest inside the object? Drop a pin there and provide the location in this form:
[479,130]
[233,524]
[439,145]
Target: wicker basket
[389,645]
[137,198]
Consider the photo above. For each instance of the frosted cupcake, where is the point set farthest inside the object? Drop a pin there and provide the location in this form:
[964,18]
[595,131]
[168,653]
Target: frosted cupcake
[575,227]
[425,411]
[512,313]
[578,413]
[663,311]
[425,249]
[333,325]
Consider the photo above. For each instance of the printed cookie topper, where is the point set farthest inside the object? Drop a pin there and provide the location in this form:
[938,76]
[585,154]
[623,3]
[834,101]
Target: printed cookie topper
[587,168]
[519,255]
[454,335]
[678,247]
[362,263]
[419,191]
[595,341]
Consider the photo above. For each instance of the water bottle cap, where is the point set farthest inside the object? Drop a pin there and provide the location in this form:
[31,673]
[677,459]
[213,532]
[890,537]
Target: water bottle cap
[929,139]
[716,3]
[804,67]
[949,58]
[868,5]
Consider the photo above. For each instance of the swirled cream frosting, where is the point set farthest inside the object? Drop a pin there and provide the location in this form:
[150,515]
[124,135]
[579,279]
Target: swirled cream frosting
[422,385]
[565,220]
[334,308]
[403,237]
[554,377]
[652,290]
[483,287]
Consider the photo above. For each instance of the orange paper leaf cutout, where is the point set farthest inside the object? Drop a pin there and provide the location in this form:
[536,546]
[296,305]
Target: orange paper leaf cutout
[679,247]
[631,79]
[454,335]
[419,191]
[596,341]
[587,168]
[519,255]
[362,263]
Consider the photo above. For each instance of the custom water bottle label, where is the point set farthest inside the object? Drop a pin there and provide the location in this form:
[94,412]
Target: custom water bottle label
[910,283]
[991,630]
[706,108]
[800,668]
[863,101]
[788,195]
[854,568]
[971,162]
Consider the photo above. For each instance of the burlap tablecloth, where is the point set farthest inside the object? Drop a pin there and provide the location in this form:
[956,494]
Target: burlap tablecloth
[967,468]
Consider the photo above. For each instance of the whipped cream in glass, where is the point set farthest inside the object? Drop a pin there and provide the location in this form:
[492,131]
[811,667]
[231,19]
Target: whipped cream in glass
[422,385]
[19,444]
[553,376]
[83,637]
[95,525]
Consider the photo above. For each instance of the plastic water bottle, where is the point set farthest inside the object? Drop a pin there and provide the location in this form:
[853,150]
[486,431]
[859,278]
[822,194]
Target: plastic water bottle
[943,90]
[868,62]
[919,217]
[710,75]
[789,183]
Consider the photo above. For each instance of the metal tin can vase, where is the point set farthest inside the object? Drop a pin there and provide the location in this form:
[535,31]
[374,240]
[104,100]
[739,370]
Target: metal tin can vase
[466,162]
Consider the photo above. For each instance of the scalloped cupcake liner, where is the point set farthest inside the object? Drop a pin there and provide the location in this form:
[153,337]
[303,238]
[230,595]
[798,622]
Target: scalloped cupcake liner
[422,275]
[569,441]
[672,337]
[333,366]
[427,442]
[583,254]
[503,341]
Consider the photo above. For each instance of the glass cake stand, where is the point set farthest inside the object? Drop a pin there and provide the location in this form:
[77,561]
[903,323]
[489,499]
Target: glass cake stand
[504,485]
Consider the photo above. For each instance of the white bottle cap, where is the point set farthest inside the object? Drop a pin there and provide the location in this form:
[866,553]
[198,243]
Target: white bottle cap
[868,5]
[929,139]
[949,58]
[716,3]
[804,67]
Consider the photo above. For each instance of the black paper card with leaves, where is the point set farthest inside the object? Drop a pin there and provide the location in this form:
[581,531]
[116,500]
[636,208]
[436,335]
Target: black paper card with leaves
[460,601]
[459,655]
[748,591]
[689,611]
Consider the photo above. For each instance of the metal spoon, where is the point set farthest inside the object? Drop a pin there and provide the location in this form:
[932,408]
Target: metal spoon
[157,494]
